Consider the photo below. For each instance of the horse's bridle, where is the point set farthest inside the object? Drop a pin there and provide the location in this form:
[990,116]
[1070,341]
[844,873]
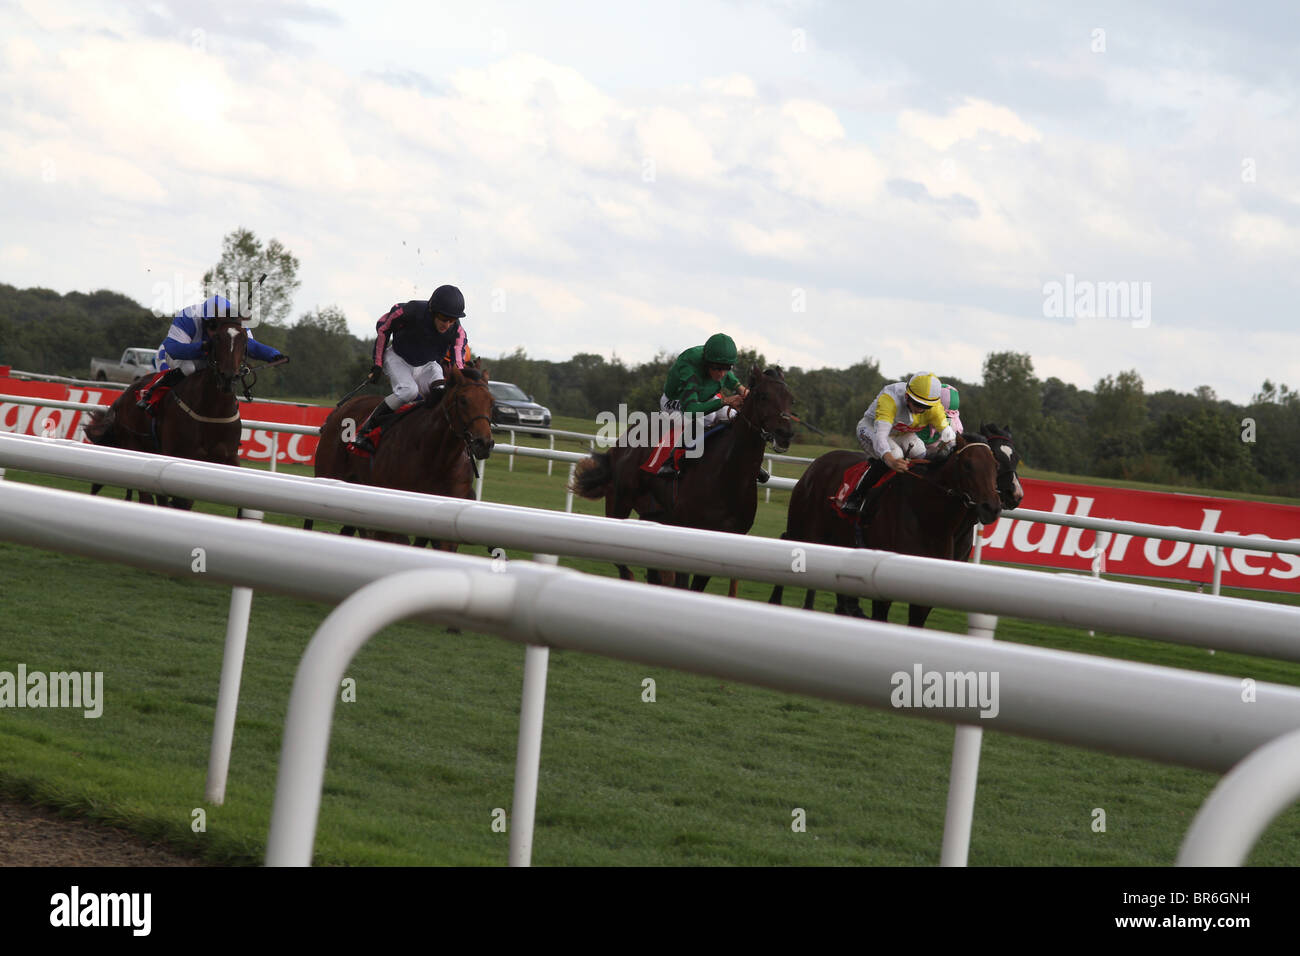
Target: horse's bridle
[464,433]
[767,436]
[965,497]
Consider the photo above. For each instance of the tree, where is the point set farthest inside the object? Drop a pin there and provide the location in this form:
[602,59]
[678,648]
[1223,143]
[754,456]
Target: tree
[1116,422]
[243,260]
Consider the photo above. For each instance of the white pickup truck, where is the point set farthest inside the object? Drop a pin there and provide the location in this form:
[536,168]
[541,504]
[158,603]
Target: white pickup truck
[132,364]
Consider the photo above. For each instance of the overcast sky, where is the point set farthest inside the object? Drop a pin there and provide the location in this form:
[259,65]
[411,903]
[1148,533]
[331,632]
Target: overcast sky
[920,183]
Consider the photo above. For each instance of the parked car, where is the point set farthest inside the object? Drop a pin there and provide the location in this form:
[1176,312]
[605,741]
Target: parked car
[515,407]
[132,364]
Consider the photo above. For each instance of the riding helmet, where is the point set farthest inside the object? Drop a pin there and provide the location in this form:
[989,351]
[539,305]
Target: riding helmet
[923,388]
[720,350]
[447,300]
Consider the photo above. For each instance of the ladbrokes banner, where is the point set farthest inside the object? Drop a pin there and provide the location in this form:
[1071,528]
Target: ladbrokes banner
[1025,542]
[66,423]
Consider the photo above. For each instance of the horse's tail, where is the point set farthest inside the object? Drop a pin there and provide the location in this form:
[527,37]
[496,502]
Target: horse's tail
[593,477]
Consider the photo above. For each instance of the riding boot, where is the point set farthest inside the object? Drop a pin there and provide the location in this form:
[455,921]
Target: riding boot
[166,381]
[380,418]
[436,391]
[853,503]
[763,475]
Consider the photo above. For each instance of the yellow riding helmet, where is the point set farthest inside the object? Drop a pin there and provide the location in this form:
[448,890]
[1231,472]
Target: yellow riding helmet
[923,388]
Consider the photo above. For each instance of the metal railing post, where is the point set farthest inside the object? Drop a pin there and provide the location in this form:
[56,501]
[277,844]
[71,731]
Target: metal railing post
[965,768]
[316,686]
[232,669]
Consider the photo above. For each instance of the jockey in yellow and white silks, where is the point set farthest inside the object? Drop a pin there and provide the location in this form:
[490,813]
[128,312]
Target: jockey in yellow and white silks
[888,432]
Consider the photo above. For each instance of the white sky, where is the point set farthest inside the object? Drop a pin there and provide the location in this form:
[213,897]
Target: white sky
[626,177]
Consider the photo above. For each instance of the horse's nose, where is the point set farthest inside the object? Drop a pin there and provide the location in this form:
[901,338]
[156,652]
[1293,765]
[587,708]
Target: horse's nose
[988,513]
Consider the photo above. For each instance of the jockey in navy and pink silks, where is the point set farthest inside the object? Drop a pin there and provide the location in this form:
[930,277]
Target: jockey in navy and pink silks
[182,352]
[414,339]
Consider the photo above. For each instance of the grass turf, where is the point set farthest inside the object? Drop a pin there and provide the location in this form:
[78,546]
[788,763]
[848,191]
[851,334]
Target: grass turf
[707,774]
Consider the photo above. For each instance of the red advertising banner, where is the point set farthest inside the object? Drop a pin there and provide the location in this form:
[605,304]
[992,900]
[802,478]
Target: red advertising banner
[1024,542]
[66,423]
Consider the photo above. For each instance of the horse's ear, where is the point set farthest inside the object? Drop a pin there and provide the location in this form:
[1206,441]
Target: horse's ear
[753,376]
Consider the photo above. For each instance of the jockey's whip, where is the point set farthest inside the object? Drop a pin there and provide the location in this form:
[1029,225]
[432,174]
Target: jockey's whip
[808,425]
[353,392]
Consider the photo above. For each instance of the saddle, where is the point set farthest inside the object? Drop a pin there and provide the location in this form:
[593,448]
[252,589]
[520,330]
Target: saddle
[668,447]
[377,431]
[852,475]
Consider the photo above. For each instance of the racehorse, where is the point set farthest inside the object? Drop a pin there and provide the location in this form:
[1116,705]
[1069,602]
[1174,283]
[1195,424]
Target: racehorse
[716,492]
[198,418]
[928,511]
[430,449]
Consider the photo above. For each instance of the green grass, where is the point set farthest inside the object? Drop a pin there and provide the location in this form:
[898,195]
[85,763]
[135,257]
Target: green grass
[708,774]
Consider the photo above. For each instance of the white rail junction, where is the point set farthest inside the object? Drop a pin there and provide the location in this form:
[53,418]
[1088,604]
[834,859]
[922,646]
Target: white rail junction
[876,574]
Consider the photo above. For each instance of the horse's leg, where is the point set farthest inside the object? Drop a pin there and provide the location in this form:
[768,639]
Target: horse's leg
[96,489]
[700,582]
[733,589]
[348,530]
[624,572]
[880,610]
[182,504]
[308,524]
[916,615]
[778,595]
[425,542]
[652,576]
[808,598]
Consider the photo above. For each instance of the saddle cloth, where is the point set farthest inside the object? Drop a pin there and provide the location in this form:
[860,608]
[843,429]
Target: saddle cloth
[668,446]
[375,433]
[158,393]
[852,475]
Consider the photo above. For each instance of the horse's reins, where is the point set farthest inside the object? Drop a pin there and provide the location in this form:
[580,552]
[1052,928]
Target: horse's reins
[967,500]
[212,364]
[464,434]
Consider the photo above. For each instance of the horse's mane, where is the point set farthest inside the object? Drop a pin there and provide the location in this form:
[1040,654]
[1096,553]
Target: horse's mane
[473,374]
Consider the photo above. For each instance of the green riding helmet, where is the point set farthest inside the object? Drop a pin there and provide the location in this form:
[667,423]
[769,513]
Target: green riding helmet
[720,350]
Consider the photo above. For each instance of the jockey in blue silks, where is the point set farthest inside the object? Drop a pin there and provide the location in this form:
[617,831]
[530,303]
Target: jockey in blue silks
[182,352]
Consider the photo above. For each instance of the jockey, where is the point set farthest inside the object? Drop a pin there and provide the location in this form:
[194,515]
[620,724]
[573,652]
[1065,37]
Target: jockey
[188,341]
[950,398]
[694,386]
[888,432]
[414,339]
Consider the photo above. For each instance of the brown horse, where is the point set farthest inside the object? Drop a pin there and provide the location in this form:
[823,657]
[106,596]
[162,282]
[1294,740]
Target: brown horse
[927,511]
[198,419]
[430,449]
[717,491]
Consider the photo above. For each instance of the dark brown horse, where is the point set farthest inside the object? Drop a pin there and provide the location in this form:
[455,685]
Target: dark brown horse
[427,450]
[715,492]
[198,419]
[928,511]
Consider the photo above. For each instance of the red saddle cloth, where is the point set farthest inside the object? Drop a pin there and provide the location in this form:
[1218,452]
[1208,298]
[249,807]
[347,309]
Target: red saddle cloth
[378,430]
[158,393]
[852,475]
[667,447]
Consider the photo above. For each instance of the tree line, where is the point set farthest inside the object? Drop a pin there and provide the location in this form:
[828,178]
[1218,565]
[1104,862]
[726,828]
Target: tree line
[1115,430]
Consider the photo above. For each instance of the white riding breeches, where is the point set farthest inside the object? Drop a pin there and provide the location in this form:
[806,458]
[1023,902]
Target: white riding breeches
[725,413]
[901,444]
[409,382]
